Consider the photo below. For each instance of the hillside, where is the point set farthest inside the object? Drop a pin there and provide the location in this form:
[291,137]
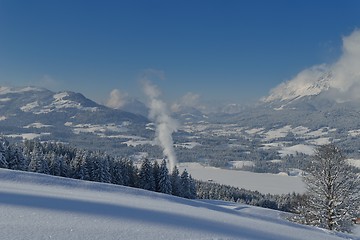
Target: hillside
[69,117]
[35,206]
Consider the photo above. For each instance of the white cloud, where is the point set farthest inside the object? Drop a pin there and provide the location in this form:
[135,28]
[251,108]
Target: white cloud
[342,77]
[188,100]
[117,99]
[346,70]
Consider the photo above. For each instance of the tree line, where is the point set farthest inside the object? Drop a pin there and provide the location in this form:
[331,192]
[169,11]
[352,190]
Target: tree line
[63,160]
[215,191]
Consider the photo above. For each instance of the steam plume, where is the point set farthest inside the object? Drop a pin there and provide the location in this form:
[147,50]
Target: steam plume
[165,125]
[117,99]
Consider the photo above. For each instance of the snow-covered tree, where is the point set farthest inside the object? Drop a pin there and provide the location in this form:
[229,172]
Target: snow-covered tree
[185,184]
[156,174]
[3,162]
[38,162]
[175,182]
[333,191]
[164,179]
[16,160]
[192,188]
[55,164]
[3,153]
[79,165]
[118,171]
[105,169]
[146,177]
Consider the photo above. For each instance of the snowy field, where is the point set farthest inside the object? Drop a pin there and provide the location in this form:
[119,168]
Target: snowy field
[35,206]
[262,182]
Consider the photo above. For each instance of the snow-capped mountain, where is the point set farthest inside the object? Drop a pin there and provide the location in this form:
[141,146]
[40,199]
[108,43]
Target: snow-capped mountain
[300,87]
[32,112]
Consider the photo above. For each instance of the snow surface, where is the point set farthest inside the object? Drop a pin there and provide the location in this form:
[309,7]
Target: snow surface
[37,125]
[30,106]
[277,133]
[188,145]
[354,133]
[262,182]
[240,164]
[36,206]
[97,129]
[27,136]
[320,141]
[5,99]
[299,148]
[354,162]
[134,143]
[254,130]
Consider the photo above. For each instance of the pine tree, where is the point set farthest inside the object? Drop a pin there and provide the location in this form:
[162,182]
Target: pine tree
[3,161]
[146,177]
[55,164]
[65,163]
[185,184]
[175,182]
[130,174]
[105,169]
[16,160]
[156,173]
[37,157]
[3,153]
[193,191]
[79,166]
[118,172]
[333,191]
[164,179]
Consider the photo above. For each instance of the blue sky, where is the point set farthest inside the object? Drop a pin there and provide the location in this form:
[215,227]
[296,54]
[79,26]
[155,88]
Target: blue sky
[233,51]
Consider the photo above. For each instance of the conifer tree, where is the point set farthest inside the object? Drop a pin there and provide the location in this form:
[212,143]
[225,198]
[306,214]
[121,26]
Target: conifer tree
[16,160]
[156,173]
[193,191]
[36,163]
[175,182]
[3,161]
[146,177]
[3,158]
[164,179]
[118,172]
[185,185]
[55,164]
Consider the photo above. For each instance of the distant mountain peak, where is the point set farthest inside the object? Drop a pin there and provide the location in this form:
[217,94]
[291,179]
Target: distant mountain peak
[306,83]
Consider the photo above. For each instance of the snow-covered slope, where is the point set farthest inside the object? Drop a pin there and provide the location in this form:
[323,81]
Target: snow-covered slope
[35,206]
[31,112]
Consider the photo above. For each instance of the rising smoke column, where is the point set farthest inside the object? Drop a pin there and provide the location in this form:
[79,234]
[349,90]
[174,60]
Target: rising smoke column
[165,125]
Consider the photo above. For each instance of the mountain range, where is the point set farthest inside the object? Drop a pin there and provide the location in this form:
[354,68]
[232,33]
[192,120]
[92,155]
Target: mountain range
[294,118]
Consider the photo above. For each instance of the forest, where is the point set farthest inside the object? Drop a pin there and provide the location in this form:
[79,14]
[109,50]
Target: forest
[66,161]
